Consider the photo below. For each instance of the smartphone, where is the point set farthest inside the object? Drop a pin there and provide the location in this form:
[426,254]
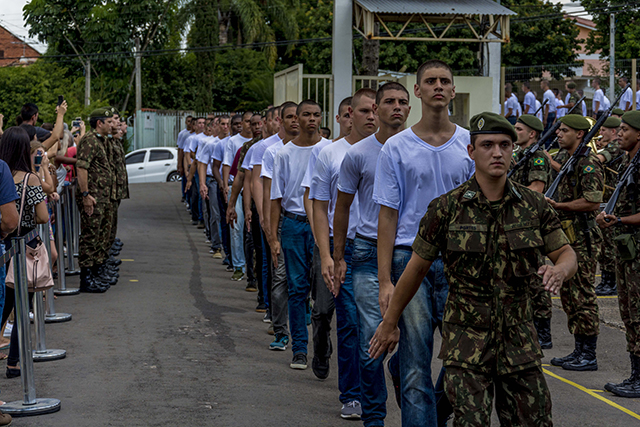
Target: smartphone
[60,99]
[76,122]
[38,161]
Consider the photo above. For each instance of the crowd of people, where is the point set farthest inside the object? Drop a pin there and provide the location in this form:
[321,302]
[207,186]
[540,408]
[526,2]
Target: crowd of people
[36,164]
[401,232]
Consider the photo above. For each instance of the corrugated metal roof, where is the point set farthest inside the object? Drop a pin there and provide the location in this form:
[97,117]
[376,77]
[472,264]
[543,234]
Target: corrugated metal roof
[436,7]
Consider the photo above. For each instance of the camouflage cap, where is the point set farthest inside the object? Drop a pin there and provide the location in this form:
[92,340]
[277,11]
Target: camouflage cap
[571,85]
[611,122]
[632,118]
[488,123]
[617,111]
[532,121]
[101,112]
[575,121]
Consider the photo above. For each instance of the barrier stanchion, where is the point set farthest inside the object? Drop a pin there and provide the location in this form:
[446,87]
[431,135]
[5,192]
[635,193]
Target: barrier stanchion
[50,314]
[76,221]
[41,354]
[30,405]
[69,231]
[62,280]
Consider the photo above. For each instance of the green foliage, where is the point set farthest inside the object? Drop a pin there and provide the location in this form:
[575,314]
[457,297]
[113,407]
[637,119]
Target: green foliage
[627,36]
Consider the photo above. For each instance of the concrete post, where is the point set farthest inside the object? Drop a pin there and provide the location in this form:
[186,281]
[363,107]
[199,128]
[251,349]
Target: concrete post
[342,57]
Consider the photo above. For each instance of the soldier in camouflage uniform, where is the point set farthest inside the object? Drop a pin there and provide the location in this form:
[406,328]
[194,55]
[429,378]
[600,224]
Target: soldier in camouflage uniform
[534,175]
[626,222]
[611,156]
[122,183]
[493,235]
[97,189]
[577,201]
[573,96]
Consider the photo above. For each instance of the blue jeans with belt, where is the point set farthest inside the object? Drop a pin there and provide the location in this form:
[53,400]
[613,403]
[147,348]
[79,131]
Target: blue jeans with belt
[417,325]
[297,248]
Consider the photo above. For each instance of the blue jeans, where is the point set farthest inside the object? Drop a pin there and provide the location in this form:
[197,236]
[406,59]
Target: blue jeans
[224,227]
[415,349]
[297,248]
[364,270]
[237,236]
[3,276]
[551,117]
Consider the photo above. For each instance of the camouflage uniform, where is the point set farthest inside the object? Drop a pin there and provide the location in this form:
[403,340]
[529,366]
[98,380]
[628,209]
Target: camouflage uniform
[628,271]
[119,168]
[537,169]
[244,149]
[490,252]
[572,100]
[93,155]
[613,155]
[578,294]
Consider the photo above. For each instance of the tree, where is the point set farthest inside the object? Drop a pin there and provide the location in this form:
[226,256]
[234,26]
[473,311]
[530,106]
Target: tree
[627,36]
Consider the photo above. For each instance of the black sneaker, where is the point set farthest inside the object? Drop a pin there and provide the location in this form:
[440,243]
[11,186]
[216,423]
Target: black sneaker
[320,367]
[251,287]
[299,361]
[261,308]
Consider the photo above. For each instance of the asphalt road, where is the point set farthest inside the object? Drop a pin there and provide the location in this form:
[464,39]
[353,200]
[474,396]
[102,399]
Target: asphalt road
[178,343]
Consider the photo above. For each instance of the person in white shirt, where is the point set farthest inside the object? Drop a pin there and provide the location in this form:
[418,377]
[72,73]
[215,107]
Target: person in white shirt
[182,135]
[279,296]
[560,111]
[356,180]
[549,113]
[638,95]
[328,294]
[598,99]
[529,99]
[626,99]
[518,106]
[414,167]
[510,104]
[287,193]
[190,144]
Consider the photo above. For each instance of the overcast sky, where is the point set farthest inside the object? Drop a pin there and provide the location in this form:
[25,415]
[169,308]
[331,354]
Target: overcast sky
[11,19]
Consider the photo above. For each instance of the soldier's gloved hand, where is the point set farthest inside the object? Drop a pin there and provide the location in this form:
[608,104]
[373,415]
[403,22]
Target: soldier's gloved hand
[385,339]
[552,278]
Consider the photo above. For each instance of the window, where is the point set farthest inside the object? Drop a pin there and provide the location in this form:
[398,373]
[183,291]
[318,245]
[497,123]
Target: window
[135,158]
[1,54]
[157,155]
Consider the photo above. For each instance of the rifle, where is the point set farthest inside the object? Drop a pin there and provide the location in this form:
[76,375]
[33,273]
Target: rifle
[541,142]
[626,179]
[583,149]
[541,107]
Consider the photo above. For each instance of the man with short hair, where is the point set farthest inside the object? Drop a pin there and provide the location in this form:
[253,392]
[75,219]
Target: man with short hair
[190,145]
[119,167]
[529,99]
[357,174]
[414,167]
[598,99]
[549,109]
[326,132]
[627,98]
[182,136]
[510,104]
[343,118]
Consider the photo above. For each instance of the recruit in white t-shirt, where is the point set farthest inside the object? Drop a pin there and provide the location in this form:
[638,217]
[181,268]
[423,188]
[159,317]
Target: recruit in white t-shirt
[627,97]
[551,100]
[324,182]
[235,143]
[246,162]
[204,155]
[598,96]
[191,142]
[306,181]
[411,173]
[268,158]
[357,176]
[218,151]
[182,135]
[261,147]
[530,100]
[289,167]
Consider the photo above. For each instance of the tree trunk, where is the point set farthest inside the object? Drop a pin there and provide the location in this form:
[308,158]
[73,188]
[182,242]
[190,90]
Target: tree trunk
[371,54]
[223,27]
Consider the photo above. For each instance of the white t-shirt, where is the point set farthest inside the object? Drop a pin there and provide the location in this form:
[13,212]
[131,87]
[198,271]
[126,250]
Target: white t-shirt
[607,103]
[201,141]
[268,158]
[235,143]
[182,135]
[306,181]
[191,142]
[324,182]
[261,147]
[204,154]
[539,110]
[561,112]
[583,105]
[511,103]
[530,100]
[411,173]
[218,151]
[638,100]
[551,100]
[627,97]
[598,96]
[289,167]
[357,176]
[246,162]
[518,106]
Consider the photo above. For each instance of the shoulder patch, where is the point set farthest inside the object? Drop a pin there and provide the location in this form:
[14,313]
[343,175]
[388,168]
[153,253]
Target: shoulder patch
[469,194]
[538,161]
[588,169]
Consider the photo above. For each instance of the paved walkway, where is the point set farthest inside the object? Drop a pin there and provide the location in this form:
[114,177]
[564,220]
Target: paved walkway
[178,343]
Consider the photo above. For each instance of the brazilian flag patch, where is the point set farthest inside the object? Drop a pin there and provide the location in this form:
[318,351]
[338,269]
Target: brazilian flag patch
[539,161]
[588,169]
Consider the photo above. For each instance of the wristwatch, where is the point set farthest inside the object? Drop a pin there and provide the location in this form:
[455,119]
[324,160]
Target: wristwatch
[619,222]
[85,193]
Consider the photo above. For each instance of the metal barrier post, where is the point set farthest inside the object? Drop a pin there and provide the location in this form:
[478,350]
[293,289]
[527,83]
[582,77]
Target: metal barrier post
[41,354]
[30,405]
[76,221]
[62,280]
[68,222]
[50,315]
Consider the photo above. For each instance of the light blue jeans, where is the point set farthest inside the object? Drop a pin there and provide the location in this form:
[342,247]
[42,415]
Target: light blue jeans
[417,325]
[237,235]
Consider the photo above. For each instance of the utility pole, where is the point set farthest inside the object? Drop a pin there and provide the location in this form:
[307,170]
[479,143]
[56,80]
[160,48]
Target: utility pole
[612,56]
[87,83]
[138,77]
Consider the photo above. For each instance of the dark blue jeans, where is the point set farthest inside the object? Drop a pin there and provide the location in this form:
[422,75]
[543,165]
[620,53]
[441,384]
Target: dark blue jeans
[224,227]
[297,248]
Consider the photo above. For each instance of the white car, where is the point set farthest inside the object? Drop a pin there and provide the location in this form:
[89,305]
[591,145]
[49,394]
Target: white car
[154,164]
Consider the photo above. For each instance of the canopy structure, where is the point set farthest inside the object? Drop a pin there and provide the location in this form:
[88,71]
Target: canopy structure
[487,20]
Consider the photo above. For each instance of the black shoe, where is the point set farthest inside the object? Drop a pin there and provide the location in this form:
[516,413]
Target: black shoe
[299,361]
[101,274]
[607,286]
[114,261]
[320,368]
[543,327]
[89,284]
[114,253]
[587,360]
[559,361]
[631,386]
[261,307]
[626,382]
[13,373]
[194,222]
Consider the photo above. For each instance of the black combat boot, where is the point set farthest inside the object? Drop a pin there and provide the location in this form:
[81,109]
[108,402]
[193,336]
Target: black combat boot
[587,360]
[114,261]
[88,283]
[632,386]
[107,275]
[603,286]
[100,275]
[610,386]
[543,327]
[613,285]
[559,361]
[117,244]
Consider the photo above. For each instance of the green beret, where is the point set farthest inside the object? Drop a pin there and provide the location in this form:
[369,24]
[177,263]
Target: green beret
[632,118]
[611,122]
[101,112]
[576,121]
[532,121]
[114,111]
[571,85]
[617,111]
[491,123]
